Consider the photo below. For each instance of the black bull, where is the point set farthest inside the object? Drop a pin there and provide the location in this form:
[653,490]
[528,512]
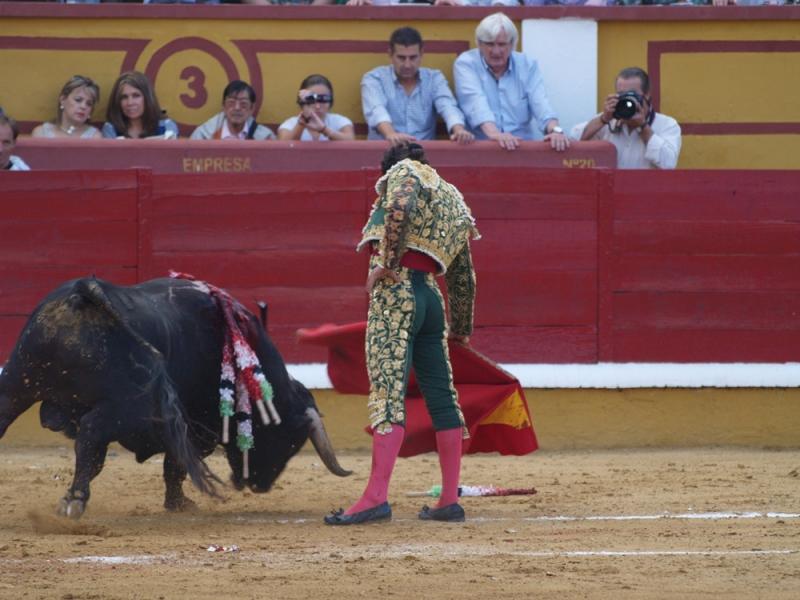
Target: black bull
[141,366]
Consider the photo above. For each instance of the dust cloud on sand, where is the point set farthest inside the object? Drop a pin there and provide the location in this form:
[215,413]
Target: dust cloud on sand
[44,523]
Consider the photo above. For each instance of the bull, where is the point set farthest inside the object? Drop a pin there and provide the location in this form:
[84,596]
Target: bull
[140,366]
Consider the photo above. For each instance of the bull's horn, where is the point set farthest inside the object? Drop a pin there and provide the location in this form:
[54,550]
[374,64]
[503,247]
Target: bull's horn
[322,444]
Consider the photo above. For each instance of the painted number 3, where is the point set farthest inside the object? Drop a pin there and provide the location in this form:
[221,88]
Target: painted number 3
[196,80]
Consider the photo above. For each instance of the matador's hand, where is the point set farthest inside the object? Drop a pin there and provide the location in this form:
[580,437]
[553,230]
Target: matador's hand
[379,273]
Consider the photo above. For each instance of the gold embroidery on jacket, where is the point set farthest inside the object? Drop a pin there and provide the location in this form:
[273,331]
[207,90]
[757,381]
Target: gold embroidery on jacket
[389,325]
[415,209]
[439,223]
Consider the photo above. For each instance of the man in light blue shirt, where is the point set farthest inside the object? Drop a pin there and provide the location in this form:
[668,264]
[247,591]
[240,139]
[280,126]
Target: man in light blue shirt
[502,91]
[401,100]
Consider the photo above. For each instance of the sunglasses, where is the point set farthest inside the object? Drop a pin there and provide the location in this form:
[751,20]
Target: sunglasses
[315,98]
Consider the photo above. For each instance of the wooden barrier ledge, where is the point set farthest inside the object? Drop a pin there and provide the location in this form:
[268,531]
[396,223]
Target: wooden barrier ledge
[235,156]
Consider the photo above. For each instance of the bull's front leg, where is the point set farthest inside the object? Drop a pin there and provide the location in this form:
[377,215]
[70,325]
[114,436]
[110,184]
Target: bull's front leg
[91,445]
[174,476]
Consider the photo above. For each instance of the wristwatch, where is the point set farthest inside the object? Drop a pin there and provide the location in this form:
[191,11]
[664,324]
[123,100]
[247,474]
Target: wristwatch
[557,129]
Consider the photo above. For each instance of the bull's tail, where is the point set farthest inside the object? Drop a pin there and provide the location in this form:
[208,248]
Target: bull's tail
[12,405]
[175,432]
[175,429]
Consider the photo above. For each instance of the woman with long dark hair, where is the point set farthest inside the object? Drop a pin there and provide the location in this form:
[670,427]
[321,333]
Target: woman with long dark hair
[133,110]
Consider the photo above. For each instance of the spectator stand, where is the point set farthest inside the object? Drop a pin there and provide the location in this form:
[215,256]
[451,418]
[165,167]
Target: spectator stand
[709,65]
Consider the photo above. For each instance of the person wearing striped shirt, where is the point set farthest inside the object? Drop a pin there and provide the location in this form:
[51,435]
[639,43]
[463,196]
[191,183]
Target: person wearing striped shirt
[401,100]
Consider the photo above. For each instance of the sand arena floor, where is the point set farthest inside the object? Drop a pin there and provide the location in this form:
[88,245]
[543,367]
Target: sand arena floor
[698,523]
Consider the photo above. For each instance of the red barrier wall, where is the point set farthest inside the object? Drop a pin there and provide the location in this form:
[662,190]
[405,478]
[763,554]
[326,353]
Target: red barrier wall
[58,226]
[286,238]
[701,266]
[574,265]
[537,261]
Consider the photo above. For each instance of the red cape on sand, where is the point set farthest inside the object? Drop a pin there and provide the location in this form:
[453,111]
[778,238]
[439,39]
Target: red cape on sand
[492,400]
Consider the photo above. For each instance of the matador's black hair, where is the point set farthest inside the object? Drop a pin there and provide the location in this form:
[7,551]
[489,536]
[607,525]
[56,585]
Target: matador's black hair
[400,152]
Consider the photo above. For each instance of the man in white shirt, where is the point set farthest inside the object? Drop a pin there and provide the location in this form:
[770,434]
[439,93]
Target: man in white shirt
[644,139]
[8,141]
[237,120]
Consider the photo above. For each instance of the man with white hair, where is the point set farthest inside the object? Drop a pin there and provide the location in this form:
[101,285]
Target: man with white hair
[502,91]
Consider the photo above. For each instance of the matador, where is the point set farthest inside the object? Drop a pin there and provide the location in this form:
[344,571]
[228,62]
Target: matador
[419,228]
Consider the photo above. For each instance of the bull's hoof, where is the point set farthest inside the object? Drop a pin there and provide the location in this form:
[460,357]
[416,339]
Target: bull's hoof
[237,482]
[72,509]
[182,504]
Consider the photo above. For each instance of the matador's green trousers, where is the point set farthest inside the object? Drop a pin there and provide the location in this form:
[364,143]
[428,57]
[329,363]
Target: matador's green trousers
[407,326]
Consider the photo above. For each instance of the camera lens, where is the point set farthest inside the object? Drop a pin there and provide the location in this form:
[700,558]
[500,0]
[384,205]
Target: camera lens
[627,106]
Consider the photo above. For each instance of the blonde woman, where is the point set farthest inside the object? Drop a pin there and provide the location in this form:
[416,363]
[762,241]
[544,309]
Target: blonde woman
[76,102]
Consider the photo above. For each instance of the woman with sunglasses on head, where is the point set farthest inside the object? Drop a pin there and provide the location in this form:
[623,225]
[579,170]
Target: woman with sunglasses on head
[76,101]
[133,110]
[315,121]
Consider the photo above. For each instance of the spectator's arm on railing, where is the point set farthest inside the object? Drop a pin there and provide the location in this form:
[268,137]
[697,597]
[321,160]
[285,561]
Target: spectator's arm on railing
[507,141]
[445,104]
[374,103]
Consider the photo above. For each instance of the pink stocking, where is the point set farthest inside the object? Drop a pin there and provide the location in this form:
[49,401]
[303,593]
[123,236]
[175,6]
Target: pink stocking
[448,443]
[385,448]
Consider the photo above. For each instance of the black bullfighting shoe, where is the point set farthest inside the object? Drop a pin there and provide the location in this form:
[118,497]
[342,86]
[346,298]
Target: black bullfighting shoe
[452,513]
[382,512]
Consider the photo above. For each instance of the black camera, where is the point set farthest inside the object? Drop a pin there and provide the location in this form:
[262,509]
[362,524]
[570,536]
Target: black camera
[314,98]
[628,104]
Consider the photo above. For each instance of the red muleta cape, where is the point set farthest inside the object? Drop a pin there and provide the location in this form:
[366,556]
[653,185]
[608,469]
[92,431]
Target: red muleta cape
[491,399]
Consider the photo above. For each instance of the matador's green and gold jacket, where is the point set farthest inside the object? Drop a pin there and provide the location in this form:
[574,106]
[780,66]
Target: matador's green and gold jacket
[417,209]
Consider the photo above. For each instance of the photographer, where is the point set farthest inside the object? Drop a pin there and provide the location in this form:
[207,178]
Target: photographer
[315,122]
[644,139]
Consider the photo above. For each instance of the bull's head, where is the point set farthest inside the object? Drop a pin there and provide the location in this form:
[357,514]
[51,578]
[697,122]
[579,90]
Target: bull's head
[275,445]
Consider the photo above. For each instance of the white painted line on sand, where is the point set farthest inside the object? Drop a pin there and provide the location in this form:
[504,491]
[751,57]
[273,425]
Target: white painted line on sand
[704,516]
[140,559]
[579,553]
[708,516]
[384,553]
[427,551]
